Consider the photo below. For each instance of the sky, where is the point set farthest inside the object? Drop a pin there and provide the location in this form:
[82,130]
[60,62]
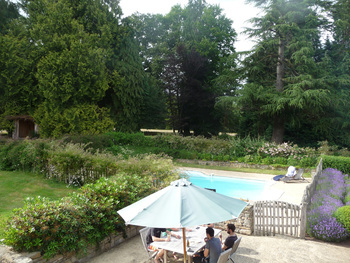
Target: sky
[236,10]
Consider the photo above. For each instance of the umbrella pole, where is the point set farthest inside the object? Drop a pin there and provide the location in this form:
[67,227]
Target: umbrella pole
[184,242]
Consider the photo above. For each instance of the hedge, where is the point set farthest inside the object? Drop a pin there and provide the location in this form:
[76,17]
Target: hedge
[337,162]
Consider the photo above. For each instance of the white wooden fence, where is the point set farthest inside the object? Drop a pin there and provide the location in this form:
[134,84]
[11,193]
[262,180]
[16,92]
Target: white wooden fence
[276,217]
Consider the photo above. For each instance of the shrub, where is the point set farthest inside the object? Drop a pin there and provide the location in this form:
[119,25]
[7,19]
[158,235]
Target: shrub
[120,151]
[50,227]
[337,162]
[327,199]
[308,161]
[139,139]
[240,147]
[77,164]
[286,150]
[74,222]
[267,160]
[94,142]
[77,119]
[198,144]
[329,229]
[343,216]
[347,191]
[158,169]
[326,149]
[27,155]
[72,164]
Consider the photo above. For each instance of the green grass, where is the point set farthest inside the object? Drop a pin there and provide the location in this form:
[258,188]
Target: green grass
[16,186]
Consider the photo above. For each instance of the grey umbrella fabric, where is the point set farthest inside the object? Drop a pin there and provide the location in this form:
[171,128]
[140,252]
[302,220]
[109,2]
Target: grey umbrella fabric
[182,204]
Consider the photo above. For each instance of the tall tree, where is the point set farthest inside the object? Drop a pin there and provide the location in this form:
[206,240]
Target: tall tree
[127,82]
[18,85]
[337,70]
[71,70]
[8,12]
[288,38]
[187,51]
[83,57]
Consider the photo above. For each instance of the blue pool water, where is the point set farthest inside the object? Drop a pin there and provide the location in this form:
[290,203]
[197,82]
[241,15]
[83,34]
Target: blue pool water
[233,187]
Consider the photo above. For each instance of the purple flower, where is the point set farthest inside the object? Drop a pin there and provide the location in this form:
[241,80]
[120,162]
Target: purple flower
[329,196]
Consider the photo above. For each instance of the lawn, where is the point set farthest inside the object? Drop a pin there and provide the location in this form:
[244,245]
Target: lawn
[16,186]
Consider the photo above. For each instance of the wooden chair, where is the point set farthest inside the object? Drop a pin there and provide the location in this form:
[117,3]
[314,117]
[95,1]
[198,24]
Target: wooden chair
[143,234]
[234,248]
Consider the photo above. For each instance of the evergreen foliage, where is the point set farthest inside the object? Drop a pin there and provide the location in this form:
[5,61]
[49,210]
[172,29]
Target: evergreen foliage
[8,12]
[187,50]
[282,69]
[78,67]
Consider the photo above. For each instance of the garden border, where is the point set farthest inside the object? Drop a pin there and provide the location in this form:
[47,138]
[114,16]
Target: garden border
[7,255]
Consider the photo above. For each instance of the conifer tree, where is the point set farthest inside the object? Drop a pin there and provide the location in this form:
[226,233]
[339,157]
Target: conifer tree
[282,69]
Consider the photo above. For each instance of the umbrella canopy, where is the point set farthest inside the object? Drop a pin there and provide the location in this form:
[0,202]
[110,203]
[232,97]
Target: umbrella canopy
[180,205]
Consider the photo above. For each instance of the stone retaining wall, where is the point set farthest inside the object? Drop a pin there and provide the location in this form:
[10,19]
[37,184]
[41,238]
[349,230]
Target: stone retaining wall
[244,223]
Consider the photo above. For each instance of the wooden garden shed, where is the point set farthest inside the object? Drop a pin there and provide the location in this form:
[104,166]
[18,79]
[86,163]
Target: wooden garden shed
[25,126]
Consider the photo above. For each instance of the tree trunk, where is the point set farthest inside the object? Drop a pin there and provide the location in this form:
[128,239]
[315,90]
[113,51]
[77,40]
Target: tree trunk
[278,130]
[278,122]
[280,66]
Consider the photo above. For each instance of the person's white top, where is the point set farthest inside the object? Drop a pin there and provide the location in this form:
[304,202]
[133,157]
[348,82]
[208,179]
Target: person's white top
[291,171]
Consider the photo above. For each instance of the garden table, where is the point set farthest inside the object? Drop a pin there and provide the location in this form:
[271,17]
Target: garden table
[195,239]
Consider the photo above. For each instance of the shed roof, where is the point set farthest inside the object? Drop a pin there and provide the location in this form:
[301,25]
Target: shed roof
[20,117]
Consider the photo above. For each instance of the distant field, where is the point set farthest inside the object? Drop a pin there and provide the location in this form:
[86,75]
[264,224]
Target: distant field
[159,131]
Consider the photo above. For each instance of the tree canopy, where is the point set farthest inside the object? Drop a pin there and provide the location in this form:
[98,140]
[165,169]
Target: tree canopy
[78,67]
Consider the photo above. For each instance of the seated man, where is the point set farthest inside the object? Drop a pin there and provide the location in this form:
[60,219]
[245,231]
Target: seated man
[212,247]
[232,237]
[154,234]
[291,171]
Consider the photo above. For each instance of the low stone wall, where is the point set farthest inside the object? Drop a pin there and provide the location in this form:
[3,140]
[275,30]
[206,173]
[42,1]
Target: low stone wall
[237,165]
[244,223]
[7,255]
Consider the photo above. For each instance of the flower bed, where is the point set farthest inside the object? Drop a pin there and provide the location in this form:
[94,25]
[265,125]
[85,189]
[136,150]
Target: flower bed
[329,196]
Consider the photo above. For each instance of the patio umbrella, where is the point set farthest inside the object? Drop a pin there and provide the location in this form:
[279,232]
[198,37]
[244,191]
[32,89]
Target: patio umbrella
[181,205]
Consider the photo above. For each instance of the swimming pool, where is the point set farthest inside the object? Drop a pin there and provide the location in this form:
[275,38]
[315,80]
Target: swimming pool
[233,187]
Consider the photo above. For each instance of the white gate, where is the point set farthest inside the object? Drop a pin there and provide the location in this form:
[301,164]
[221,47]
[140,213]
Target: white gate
[276,217]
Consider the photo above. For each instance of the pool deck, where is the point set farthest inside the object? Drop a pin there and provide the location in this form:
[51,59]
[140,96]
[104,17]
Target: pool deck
[289,192]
